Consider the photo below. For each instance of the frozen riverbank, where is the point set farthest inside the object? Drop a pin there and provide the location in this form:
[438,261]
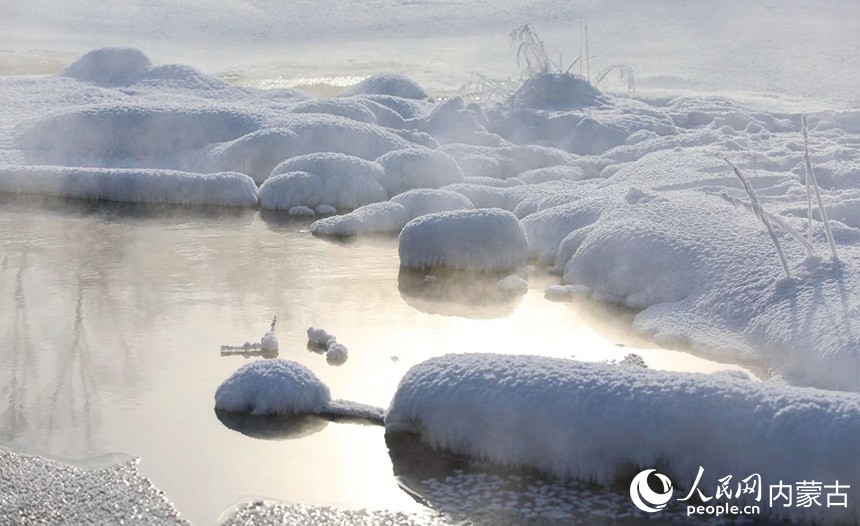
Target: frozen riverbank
[597,183]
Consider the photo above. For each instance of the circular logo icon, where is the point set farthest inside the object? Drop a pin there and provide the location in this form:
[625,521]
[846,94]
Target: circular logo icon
[647,499]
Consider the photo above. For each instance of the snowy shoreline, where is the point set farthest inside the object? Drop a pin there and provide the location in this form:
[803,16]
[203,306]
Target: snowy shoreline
[620,197]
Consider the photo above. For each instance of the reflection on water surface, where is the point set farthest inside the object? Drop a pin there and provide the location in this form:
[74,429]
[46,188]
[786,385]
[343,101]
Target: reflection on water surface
[114,316]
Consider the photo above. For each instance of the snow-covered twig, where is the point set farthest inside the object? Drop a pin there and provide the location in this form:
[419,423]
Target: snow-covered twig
[812,182]
[761,214]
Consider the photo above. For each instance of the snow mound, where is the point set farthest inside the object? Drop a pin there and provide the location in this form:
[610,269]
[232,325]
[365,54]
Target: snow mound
[268,387]
[181,78]
[131,185]
[109,67]
[418,168]
[597,420]
[513,284]
[296,134]
[334,179]
[350,109]
[556,91]
[387,84]
[482,239]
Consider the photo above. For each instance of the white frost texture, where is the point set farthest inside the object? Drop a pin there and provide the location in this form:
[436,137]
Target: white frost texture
[597,420]
[269,387]
[482,239]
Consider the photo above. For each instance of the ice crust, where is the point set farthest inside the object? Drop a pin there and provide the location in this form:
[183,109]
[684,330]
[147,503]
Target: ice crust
[39,490]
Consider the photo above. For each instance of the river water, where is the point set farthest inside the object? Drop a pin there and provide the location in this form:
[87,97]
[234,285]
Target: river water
[113,317]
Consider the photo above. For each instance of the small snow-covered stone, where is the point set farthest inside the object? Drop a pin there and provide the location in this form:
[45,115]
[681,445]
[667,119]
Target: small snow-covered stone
[268,387]
[514,284]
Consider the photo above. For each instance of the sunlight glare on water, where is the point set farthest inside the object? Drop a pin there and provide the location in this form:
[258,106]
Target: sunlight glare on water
[116,315]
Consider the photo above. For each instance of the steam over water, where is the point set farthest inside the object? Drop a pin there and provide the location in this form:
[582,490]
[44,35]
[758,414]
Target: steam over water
[114,316]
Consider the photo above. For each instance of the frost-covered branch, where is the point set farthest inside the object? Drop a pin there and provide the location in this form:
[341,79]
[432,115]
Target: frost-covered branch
[759,211]
[812,182]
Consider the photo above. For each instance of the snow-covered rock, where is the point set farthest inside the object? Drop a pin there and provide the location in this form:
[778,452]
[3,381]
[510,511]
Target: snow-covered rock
[336,354]
[301,211]
[418,168]
[387,84]
[556,91]
[594,421]
[109,67]
[269,342]
[258,152]
[335,179]
[267,387]
[513,284]
[425,201]
[387,216]
[319,336]
[392,215]
[482,239]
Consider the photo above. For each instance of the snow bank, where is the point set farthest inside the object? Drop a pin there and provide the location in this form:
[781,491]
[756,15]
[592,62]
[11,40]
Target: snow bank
[110,131]
[268,387]
[656,235]
[387,84]
[333,179]
[418,168]
[131,185]
[483,239]
[597,420]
